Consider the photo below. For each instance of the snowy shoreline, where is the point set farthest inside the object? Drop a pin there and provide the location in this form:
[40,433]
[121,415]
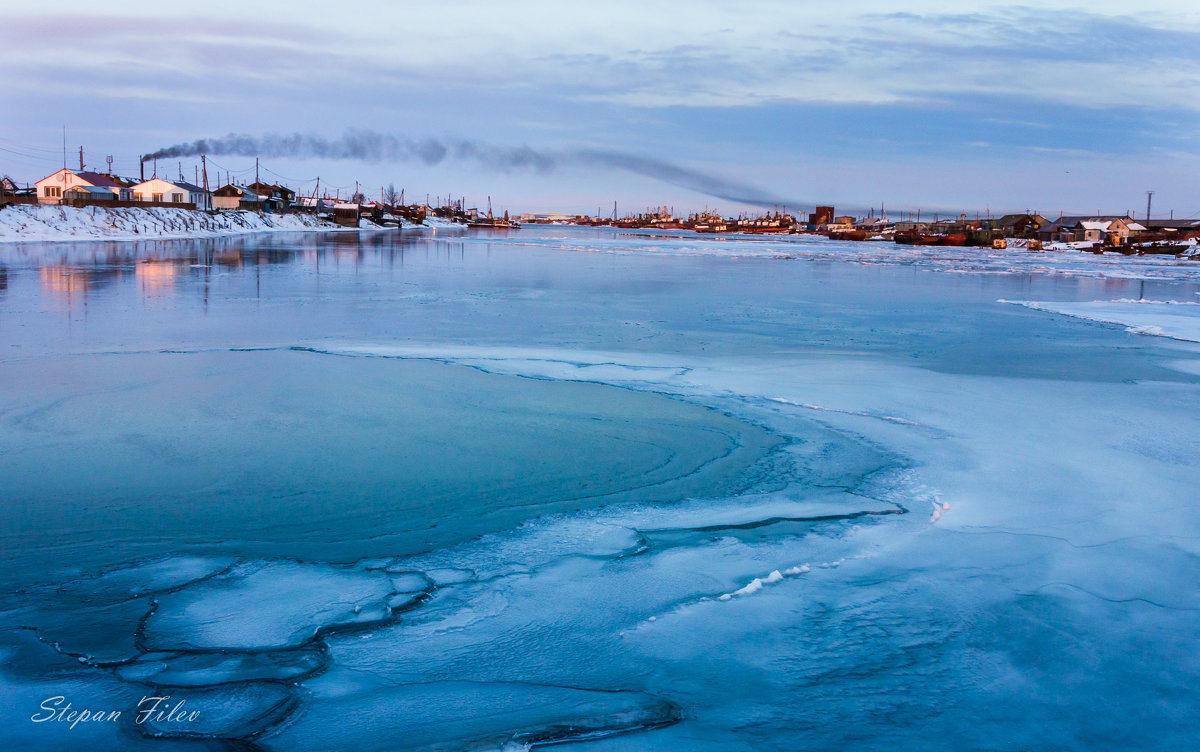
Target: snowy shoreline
[27,224]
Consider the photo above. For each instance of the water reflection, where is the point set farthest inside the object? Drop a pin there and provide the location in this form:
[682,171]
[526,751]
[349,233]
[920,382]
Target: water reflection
[540,285]
[157,277]
[75,282]
[336,284]
[75,271]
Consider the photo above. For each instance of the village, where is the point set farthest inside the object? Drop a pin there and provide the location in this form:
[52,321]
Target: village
[1028,230]
[82,188]
[89,188]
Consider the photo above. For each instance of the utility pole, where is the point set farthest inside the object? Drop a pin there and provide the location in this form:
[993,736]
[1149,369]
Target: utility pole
[207,195]
[1149,197]
[81,159]
[256,170]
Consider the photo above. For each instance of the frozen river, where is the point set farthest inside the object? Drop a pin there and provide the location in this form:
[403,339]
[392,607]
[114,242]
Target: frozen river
[487,491]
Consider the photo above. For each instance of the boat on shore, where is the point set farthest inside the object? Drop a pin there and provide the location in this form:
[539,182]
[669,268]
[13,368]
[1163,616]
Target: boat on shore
[856,235]
[911,237]
[495,223]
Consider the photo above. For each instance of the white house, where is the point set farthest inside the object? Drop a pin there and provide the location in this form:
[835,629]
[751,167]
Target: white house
[1094,231]
[157,189]
[51,188]
[196,195]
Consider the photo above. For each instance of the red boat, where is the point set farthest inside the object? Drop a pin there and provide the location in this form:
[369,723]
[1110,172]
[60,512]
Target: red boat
[847,235]
[956,238]
[911,237]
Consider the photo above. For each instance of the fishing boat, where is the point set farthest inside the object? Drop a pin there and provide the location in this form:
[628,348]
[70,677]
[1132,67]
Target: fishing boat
[912,237]
[494,223]
[847,235]
[954,238]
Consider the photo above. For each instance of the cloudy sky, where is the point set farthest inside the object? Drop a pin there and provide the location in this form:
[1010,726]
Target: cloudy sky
[570,106]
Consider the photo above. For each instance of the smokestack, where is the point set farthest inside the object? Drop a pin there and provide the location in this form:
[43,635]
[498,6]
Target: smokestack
[142,166]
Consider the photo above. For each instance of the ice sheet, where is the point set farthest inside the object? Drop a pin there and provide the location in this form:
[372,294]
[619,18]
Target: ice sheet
[1060,578]
[1164,318]
[264,606]
[466,715]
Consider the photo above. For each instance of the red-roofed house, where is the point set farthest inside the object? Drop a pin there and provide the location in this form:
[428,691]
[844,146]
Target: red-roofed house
[50,189]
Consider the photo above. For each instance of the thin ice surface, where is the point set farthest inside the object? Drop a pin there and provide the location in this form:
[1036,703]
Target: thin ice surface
[966,524]
[266,606]
[1164,318]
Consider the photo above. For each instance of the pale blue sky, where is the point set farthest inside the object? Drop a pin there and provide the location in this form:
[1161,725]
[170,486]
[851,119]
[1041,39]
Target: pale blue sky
[992,105]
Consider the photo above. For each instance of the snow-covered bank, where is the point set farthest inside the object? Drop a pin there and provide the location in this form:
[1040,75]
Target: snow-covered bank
[432,221]
[19,224]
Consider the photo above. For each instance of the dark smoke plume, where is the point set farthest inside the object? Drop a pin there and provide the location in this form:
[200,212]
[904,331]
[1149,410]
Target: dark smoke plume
[369,146]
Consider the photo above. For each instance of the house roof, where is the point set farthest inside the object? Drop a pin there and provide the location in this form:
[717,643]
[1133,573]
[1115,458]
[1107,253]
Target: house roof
[1011,220]
[190,188]
[1095,218]
[157,180]
[97,179]
[1055,227]
[1102,226]
[242,192]
[91,189]
[1178,224]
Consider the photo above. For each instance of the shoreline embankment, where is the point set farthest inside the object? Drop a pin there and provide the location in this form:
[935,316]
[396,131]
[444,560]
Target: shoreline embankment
[48,223]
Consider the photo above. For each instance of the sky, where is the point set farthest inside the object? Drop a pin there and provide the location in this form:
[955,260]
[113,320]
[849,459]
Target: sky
[561,106]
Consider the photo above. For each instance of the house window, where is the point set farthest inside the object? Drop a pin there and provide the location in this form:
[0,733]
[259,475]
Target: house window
[177,198]
[156,197]
[53,191]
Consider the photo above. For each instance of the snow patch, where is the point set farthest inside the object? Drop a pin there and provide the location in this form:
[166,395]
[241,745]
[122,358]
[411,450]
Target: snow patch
[20,224]
[1160,318]
[758,583]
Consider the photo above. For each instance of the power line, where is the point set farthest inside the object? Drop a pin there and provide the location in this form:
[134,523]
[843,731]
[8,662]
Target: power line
[37,157]
[226,169]
[285,177]
[28,147]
